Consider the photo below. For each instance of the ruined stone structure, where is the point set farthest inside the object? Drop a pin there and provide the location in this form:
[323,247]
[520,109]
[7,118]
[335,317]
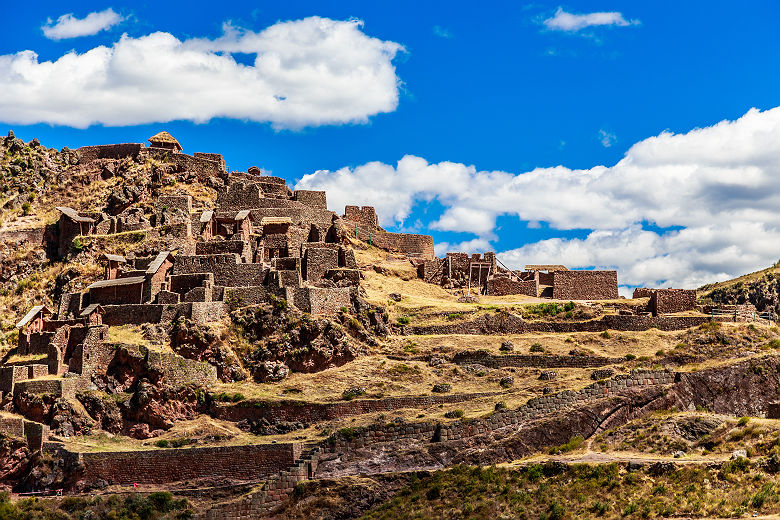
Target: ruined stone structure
[483,274]
[667,301]
[363,223]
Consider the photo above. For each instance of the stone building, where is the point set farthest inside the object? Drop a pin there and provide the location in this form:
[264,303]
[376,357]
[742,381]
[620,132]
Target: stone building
[483,274]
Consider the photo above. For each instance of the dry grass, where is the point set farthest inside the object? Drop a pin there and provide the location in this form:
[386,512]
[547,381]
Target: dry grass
[130,334]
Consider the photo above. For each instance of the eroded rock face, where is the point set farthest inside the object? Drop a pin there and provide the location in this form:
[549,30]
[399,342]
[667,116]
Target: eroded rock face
[302,342]
[58,413]
[15,460]
[202,343]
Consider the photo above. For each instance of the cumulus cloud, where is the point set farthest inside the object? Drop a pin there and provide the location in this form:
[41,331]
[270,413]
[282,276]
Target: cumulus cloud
[569,22]
[309,72]
[678,210]
[68,26]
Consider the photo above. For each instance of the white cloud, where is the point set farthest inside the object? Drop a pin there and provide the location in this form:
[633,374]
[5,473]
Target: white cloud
[476,245]
[678,210]
[309,72]
[607,138]
[68,26]
[569,22]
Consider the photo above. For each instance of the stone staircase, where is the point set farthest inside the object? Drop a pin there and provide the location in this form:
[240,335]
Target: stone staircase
[272,493]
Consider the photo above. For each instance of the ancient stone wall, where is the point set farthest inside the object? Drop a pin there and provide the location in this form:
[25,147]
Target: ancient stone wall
[311,199]
[666,301]
[183,283]
[585,285]
[213,157]
[365,215]
[239,463]
[145,313]
[316,300]
[274,492]
[318,260]
[536,361]
[37,343]
[504,285]
[642,292]
[221,247]
[108,151]
[306,411]
[205,312]
[236,297]
[199,167]
[119,294]
[225,267]
[534,408]
[510,324]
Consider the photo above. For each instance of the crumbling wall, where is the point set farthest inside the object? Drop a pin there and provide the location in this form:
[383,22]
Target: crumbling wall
[504,285]
[585,285]
[108,151]
[228,272]
[311,199]
[365,215]
[667,301]
[241,463]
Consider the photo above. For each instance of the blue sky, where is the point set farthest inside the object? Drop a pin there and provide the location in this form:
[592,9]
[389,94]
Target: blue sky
[516,89]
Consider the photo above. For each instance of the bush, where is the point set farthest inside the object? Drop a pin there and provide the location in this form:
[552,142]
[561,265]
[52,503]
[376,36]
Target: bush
[229,398]
[574,443]
[162,443]
[743,421]
[403,320]
[536,347]
[352,393]
[26,208]
[454,414]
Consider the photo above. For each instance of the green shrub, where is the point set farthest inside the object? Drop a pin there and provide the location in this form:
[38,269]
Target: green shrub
[536,347]
[403,320]
[162,443]
[574,443]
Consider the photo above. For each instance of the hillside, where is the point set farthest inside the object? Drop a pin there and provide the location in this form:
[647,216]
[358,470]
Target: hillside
[206,343]
[759,289]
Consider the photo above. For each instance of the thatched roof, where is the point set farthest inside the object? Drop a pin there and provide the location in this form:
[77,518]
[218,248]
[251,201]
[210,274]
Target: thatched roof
[164,138]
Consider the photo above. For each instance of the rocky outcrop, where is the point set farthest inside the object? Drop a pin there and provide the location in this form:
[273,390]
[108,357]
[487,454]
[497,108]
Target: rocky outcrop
[56,412]
[15,460]
[302,342]
[202,343]
[744,388]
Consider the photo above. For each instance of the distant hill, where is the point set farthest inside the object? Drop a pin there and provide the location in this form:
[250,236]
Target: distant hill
[759,288]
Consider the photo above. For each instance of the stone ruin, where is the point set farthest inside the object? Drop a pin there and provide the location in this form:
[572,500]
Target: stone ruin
[484,274]
[260,241]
